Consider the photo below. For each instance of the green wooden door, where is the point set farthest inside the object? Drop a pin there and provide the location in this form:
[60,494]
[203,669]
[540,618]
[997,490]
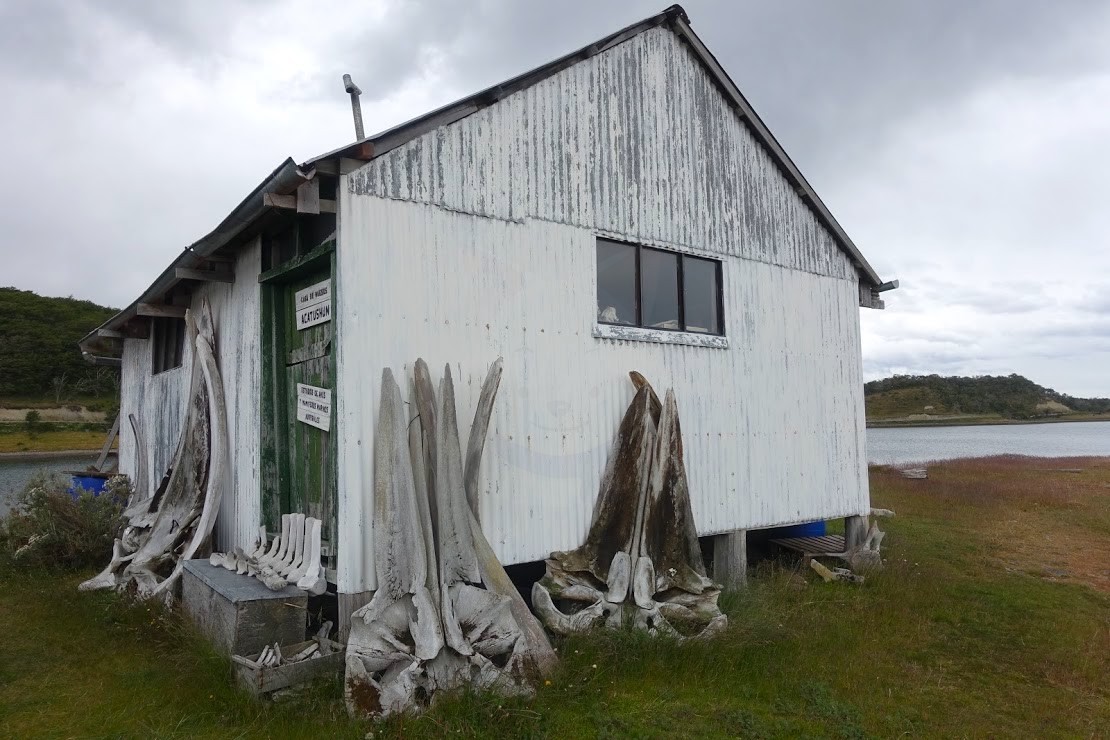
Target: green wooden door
[298,449]
[308,363]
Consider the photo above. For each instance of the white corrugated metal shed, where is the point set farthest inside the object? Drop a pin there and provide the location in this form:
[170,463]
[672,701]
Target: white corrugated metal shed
[470,233]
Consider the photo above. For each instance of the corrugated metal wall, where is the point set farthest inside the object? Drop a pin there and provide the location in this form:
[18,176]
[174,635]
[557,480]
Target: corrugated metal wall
[636,141]
[477,240]
[773,425]
[158,401]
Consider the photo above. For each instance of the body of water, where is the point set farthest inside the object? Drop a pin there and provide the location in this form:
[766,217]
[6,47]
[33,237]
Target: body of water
[885,446]
[14,474]
[906,445]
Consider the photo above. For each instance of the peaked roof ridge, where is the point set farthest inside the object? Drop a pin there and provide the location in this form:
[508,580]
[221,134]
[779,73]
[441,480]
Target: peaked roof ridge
[675,18]
[288,175]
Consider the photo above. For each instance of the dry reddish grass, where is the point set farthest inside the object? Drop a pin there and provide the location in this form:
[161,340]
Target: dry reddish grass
[1037,515]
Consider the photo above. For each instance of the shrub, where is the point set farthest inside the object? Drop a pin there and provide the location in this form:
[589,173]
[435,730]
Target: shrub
[52,528]
[32,422]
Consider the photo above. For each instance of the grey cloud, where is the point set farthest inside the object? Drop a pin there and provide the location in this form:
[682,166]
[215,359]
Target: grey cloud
[1096,302]
[66,40]
[931,287]
[1073,328]
[915,361]
[1000,302]
[824,75]
[931,334]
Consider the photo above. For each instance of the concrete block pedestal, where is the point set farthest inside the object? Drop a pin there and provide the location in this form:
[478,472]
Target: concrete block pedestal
[238,613]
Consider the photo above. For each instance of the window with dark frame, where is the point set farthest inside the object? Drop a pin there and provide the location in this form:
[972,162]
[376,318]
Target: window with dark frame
[167,344]
[656,289]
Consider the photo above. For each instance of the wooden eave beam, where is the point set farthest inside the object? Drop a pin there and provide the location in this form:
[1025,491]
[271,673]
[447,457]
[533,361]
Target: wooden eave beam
[289,202]
[215,276]
[160,310]
[102,361]
[338,166]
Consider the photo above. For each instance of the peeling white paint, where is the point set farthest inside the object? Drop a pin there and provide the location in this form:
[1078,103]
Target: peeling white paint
[158,401]
[659,336]
[477,240]
[772,424]
[635,142]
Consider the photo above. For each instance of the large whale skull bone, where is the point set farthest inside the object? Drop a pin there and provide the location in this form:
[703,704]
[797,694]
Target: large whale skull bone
[167,528]
[409,643]
[641,563]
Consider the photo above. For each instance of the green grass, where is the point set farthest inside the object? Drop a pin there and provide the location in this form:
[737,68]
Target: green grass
[962,635]
[53,441]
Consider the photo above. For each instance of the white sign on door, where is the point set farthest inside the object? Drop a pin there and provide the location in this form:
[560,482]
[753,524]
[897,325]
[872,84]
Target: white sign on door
[314,406]
[313,305]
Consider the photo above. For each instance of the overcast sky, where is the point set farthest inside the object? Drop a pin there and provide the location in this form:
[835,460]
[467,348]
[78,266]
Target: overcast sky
[965,146]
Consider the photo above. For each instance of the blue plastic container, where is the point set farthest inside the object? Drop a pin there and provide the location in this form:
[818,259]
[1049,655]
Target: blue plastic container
[806,529]
[92,484]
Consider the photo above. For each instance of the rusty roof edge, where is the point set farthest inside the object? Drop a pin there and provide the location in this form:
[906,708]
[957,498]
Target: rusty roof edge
[282,179]
[685,31]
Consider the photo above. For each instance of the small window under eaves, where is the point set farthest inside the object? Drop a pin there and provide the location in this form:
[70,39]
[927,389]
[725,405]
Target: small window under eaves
[167,344]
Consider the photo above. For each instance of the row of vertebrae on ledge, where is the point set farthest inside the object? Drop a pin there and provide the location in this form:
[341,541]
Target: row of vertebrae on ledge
[293,558]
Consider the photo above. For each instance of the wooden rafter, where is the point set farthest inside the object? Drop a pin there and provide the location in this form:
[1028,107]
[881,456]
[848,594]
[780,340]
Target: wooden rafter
[217,276]
[276,200]
[160,310]
[338,166]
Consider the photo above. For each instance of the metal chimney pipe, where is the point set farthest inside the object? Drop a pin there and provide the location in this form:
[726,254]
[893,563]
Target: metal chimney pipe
[356,107]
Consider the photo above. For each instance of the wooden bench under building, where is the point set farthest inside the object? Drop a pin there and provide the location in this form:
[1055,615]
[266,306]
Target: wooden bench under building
[813,547]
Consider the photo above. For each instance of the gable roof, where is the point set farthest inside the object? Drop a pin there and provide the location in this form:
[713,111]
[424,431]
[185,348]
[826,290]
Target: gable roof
[288,175]
[675,19]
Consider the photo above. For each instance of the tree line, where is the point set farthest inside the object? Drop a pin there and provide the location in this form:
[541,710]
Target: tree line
[1009,395]
[39,357]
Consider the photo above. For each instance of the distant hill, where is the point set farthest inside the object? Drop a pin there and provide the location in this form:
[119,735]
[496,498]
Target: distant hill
[38,346]
[1006,396]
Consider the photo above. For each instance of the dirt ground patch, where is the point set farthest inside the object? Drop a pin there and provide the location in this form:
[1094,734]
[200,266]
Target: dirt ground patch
[60,413]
